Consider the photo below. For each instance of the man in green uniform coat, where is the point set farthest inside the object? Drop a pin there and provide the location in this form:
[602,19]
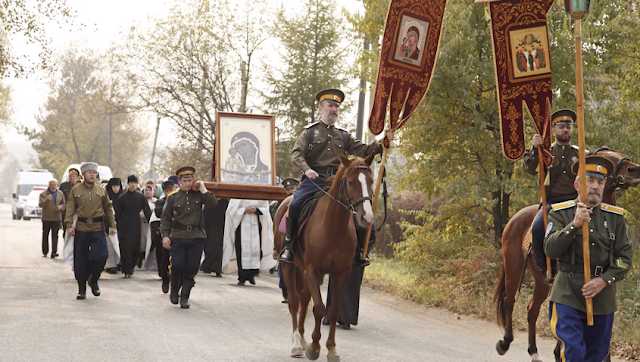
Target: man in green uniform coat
[610,259]
[182,229]
[89,201]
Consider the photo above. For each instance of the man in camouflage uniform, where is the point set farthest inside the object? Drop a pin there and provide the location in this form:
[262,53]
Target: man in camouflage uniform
[610,259]
[559,179]
[89,201]
[316,155]
[182,229]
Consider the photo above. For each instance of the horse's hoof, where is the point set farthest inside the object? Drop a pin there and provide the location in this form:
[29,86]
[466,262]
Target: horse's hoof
[333,358]
[304,344]
[535,358]
[501,351]
[311,355]
[297,352]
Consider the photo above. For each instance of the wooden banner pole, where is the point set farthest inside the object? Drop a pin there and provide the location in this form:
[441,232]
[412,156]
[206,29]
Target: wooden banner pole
[582,163]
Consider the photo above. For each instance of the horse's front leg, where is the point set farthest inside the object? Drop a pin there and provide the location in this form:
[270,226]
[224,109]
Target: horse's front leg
[540,293]
[313,284]
[305,298]
[339,282]
[289,275]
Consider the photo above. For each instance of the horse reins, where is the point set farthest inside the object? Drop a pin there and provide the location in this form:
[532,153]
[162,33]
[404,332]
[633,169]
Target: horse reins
[343,188]
[617,184]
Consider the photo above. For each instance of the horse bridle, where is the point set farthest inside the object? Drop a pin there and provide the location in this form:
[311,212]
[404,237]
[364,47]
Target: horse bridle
[618,180]
[350,206]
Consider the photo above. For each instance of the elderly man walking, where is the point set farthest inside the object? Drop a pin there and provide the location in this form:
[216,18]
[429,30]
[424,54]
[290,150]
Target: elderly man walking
[52,203]
[90,203]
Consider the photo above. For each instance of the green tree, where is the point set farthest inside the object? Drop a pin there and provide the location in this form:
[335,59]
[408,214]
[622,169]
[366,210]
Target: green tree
[454,141]
[195,62]
[73,127]
[312,59]
[25,20]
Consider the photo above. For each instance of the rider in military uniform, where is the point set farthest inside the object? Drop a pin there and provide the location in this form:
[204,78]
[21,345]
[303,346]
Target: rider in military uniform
[89,201]
[559,179]
[610,259]
[315,154]
[182,228]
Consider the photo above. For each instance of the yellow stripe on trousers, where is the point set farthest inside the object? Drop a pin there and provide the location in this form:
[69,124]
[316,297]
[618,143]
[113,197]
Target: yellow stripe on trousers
[554,323]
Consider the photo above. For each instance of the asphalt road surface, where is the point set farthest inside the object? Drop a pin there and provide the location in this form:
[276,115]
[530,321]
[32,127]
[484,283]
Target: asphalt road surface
[40,319]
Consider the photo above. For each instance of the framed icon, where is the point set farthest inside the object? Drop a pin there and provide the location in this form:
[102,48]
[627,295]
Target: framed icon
[529,52]
[245,148]
[412,36]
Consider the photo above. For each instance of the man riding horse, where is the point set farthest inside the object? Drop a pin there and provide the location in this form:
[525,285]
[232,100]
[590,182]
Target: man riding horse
[559,179]
[316,155]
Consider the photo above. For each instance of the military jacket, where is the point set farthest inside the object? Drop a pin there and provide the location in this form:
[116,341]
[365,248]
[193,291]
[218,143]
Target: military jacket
[182,215]
[560,178]
[563,241]
[91,203]
[66,187]
[312,151]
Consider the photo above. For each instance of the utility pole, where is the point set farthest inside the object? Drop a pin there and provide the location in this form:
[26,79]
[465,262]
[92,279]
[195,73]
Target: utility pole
[110,137]
[155,142]
[362,95]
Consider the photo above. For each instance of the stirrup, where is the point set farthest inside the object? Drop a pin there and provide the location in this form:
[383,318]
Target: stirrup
[286,256]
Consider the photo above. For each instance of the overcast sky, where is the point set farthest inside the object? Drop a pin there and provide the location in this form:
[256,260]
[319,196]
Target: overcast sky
[104,22]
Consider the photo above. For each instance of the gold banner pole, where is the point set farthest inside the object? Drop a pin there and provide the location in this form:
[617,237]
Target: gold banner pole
[582,163]
[543,192]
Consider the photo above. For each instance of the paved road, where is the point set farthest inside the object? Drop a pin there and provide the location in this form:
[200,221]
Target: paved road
[40,319]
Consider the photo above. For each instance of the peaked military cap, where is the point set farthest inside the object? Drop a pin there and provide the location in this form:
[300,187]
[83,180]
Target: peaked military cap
[74,170]
[335,96]
[596,166]
[563,117]
[186,172]
[290,182]
[168,184]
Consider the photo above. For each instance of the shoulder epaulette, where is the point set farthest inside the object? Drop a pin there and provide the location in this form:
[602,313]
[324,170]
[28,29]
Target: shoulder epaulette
[563,205]
[340,129]
[611,208]
[311,125]
[576,147]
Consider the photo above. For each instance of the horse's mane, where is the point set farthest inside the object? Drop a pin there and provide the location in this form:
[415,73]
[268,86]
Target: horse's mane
[340,174]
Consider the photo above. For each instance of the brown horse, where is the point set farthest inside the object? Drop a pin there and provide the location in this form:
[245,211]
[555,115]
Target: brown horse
[516,239]
[327,245]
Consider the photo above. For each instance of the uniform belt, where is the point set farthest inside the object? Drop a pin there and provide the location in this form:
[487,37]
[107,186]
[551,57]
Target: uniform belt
[91,220]
[186,227]
[329,171]
[596,270]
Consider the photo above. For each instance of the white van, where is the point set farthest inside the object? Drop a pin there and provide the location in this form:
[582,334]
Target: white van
[104,173]
[23,184]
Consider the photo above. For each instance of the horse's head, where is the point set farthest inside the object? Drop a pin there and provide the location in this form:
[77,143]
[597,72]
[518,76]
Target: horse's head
[625,173]
[355,180]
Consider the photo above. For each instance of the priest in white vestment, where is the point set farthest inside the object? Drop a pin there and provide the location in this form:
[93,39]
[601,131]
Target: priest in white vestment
[248,237]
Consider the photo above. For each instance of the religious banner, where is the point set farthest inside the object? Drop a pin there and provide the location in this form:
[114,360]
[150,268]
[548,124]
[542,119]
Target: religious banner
[523,70]
[407,58]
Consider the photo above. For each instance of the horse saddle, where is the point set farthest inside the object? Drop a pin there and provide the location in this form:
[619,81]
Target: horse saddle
[307,209]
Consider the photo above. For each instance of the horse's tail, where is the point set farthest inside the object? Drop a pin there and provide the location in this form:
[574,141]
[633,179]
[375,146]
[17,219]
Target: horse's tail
[498,296]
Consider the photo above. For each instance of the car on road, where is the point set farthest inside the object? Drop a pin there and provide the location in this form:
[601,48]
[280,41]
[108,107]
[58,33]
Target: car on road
[24,182]
[31,209]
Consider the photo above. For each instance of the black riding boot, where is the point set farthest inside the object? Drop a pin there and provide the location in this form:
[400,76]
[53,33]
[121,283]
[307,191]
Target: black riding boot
[359,261]
[93,283]
[187,284]
[290,240]
[82,289]
[175,287]
[541,258]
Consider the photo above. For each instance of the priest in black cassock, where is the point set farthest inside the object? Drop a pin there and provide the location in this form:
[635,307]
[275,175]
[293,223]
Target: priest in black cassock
[128,210]
[350,303]
[214,218]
